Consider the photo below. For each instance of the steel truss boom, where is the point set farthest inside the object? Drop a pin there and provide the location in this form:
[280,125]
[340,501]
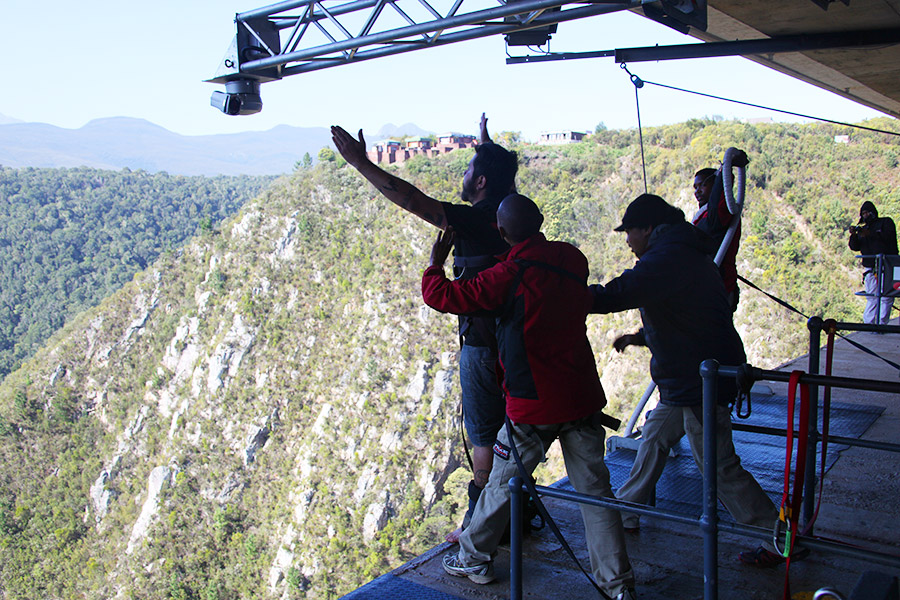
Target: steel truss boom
[298,37]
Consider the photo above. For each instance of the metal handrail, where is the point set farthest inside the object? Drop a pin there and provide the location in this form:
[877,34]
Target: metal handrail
[879,281]
[711,371]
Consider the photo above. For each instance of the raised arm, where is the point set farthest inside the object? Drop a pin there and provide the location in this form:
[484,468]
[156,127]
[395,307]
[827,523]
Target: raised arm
[485,294]
[398,191]
[484,137]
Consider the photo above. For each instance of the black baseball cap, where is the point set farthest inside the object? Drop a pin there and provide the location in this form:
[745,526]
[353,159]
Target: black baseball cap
[649,210]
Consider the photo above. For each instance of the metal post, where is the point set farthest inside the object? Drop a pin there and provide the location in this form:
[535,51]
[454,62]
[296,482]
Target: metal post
[878,266]
[515,538]
[709,370]
[815,325]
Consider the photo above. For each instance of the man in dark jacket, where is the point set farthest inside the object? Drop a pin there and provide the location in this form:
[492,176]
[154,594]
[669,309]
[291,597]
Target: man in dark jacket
[872,236]
[686,319]
[538,293]
[488,179]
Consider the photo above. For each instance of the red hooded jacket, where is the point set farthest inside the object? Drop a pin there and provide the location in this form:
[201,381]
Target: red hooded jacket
[539,296]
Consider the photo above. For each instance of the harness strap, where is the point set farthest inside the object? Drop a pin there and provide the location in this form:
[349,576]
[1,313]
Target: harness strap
[524,262]
[542,510]
[481,260]
[789,513]
[462,435]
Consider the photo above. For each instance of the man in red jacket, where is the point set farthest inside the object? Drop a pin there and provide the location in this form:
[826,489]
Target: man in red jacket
[715,221]
[539,296]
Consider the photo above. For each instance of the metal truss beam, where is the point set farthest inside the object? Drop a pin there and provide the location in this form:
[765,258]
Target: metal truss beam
[776,45]
[298,37]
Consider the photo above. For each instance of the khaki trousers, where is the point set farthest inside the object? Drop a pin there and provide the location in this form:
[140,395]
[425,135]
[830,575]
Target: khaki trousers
[582,443]
[738,490]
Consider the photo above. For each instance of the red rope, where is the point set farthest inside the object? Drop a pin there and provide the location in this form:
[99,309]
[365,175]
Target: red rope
[790,502]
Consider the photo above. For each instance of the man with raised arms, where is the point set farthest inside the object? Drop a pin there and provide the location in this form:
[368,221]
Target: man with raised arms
[488,179]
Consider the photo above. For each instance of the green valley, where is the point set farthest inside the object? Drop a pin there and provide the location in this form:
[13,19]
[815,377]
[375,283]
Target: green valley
[270,411]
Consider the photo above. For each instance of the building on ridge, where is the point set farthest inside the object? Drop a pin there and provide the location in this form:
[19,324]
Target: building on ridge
[561,137]
[395,152]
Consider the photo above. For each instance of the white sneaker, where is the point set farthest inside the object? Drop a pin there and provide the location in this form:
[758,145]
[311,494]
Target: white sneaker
[481,573]
[628,594]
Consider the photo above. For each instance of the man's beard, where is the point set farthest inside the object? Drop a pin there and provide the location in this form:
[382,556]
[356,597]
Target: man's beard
[468,191]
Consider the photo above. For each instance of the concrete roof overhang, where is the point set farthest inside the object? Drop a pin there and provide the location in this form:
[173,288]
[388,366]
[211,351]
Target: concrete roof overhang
[866,74]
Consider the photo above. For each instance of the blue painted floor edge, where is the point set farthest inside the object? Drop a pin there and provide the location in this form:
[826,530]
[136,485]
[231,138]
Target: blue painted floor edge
[391,587]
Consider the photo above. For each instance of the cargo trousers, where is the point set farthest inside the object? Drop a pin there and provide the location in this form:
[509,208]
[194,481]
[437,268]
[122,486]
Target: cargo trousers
[582,443]
[738,490]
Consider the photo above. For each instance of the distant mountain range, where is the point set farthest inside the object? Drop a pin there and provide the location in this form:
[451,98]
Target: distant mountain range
[119,142]
[391,130]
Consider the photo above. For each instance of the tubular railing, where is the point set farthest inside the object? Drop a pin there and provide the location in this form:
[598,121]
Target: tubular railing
[709,523]
[816,326]
[881,273]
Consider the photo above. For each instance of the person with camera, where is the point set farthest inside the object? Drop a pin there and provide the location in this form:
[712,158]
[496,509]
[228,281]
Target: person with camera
[489,177]
[873,235]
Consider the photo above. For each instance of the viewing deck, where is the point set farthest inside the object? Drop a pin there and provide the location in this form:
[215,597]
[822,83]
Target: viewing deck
[860,506]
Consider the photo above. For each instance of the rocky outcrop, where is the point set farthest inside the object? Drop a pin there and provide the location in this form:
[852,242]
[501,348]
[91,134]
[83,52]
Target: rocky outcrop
[102,491]
[159,479]
[226,358]
[416,388]
[101,496]
[258,437]
[282,562]
[376,518]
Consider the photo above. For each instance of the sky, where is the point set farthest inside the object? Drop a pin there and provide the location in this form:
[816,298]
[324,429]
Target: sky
[67,63]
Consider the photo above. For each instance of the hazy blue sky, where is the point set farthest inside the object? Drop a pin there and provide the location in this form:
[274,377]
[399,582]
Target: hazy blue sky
[66,63]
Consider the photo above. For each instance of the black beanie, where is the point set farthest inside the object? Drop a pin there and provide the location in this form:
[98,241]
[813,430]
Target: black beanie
[867,205]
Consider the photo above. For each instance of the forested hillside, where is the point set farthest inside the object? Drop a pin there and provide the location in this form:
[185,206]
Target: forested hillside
[70,237]
[270,411]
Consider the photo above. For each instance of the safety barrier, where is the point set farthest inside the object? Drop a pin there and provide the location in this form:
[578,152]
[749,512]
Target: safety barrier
[710,370]
[887,276]
[709,524]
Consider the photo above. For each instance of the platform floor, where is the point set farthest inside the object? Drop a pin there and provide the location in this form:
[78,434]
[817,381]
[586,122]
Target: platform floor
[861,505]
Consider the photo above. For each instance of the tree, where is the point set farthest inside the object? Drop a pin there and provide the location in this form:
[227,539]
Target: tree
[304,163]
[508,138]
[326,154]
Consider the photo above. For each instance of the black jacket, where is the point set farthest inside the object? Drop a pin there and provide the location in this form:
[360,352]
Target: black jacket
[685,310]
[880,238]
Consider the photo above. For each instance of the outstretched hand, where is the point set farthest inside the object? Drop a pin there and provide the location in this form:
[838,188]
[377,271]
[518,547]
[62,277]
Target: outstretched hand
[623,341]
[483,137]
[441,248]
[353,150]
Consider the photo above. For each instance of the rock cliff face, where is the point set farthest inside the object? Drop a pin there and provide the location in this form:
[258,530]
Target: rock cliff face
[271,409]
